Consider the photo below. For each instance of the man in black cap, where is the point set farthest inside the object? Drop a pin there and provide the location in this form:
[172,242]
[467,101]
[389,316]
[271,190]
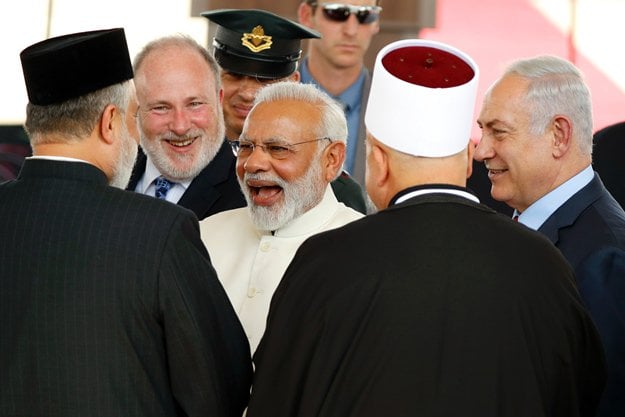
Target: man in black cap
[255,48]
[104,309]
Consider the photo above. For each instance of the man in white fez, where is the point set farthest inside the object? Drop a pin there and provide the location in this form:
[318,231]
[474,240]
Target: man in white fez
[104,310]
[436,305]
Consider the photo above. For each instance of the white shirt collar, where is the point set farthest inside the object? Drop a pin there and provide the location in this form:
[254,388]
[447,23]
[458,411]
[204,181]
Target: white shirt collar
[437,190]
[58,158]
[146,184]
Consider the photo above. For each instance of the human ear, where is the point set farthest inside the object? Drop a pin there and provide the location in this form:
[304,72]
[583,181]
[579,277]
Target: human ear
[562,131]
[305,14]
[333,158]
[107,123]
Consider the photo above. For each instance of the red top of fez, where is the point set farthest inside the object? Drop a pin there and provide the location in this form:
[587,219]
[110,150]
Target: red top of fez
[428,67]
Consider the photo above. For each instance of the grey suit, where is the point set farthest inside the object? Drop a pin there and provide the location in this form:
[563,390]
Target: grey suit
[108,311]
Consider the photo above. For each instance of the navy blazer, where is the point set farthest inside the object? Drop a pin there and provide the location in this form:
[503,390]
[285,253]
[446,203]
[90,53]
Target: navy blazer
[213,190]
[589,229]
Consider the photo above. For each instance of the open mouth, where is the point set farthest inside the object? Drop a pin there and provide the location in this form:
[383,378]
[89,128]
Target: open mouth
[492,172]
[177,143]
[263,193]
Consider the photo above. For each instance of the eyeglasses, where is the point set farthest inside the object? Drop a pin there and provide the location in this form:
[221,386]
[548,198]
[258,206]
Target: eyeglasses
[339,12]
[277,150]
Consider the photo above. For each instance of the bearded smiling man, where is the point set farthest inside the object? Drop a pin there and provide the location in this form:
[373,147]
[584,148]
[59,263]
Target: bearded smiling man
[284,168]
[182,128]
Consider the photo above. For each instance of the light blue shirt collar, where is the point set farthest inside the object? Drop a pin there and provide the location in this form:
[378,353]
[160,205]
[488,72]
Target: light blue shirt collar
[351,101]
[146,184]
[536,214]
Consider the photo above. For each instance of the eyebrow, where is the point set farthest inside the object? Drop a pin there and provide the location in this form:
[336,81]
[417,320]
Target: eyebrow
[268,140]
[490,123]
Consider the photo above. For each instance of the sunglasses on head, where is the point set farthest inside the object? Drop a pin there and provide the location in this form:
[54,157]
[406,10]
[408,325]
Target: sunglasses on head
[339,12]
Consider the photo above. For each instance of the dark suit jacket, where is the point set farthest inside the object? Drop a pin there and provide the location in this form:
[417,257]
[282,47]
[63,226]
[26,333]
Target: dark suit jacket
[608,159]
[106,310]
[589,229]
[349,192]
[213,190]
[437,306]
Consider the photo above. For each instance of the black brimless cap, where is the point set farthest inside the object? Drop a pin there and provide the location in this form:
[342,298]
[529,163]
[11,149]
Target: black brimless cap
[69,66]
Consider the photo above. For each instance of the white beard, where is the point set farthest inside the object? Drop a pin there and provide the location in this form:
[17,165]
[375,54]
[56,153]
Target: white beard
[125,161]
[185,167]
[299,196]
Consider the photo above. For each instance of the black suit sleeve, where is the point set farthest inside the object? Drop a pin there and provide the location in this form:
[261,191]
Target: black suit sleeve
[207,351]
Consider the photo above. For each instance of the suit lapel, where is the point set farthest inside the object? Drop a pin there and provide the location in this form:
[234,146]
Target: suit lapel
[568,212]
[137,170]
[203,192]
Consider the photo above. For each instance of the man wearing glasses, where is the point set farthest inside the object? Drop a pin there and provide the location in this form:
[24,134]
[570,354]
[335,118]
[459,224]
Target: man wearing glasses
[284,168]
[336,63]
[254,48]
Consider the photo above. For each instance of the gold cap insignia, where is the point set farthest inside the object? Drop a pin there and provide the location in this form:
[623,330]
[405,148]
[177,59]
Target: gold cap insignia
[257,40]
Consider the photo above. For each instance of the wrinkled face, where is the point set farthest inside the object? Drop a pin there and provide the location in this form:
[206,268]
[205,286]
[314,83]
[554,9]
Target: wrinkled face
[180,116]
[239,93]
[520,164]
[279,190]
[342,44]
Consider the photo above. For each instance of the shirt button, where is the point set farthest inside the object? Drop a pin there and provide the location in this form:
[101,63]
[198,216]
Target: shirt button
[251,292]
[265,246]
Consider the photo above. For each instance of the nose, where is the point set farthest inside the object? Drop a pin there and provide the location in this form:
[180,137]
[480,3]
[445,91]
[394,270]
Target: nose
[350,27]
[248,88]
[484,149]
[181,122]
[257,161]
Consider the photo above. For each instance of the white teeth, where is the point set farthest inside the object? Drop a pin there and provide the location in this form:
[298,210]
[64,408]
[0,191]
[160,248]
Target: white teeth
[181,144]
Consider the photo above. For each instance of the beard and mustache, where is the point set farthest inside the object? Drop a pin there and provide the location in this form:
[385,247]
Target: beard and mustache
[182,167]
[299,196]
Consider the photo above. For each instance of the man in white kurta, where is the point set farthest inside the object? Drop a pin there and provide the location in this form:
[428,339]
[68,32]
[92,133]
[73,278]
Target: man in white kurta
[251,262]
[292,146]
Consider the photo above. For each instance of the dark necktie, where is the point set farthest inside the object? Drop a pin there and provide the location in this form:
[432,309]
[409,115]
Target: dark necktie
[163,185]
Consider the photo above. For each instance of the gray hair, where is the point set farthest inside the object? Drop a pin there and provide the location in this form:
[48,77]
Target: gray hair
[333,123]
[556,87]
[179,41]
[74,119]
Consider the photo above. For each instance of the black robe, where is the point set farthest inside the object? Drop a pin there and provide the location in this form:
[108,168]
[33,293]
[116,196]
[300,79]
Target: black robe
[437,306]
